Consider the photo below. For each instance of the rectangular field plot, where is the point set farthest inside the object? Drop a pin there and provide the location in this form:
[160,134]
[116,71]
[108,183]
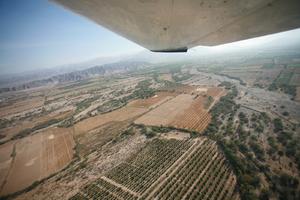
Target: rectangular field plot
[295,80]
[38,156]
[121,114]
[6,151]
[184,111]
[152,102]
[203,175]
[168,169]
[194,118]
[141,170]
[164,114]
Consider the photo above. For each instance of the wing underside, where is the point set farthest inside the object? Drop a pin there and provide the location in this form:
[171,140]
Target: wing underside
[176,25]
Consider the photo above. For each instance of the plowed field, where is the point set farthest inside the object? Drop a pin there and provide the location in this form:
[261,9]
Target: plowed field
[37,157]
[184,111]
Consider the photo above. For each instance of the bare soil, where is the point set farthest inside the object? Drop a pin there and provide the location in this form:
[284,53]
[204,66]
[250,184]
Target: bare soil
[9,132]
[157,99]
[37,157]
[121,114]
[165,113]
[21,106]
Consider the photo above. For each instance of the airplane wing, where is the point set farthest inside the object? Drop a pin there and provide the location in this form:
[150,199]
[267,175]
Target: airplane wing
[176,25]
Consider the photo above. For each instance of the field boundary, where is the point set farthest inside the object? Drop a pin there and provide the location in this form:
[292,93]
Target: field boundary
[119,186]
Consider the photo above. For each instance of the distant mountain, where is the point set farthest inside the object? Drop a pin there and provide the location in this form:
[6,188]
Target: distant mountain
[285,44]
[14,79]
[106,69]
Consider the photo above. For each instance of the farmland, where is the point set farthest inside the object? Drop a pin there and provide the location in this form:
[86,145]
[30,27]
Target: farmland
[97,121]
[36,157]
[185,111]
[164,114]
[167,169]
[20,106]
[18,128]
[182,131]
[157,99]
[193,118]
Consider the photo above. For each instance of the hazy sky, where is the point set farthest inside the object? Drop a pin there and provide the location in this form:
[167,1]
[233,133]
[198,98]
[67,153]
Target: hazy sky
[37,34]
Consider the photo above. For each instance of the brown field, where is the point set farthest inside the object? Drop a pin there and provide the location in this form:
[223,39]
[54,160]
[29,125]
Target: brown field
[9,132]
[121,114]
[215,91]
[181,89]
[194,118]
[157,99]
[184,111]
[133,109]
[167,77]
[165,113]
[5,160]
[21,106]
[37,157]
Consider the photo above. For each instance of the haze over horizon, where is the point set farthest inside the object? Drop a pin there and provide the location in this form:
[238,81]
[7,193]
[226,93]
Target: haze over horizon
[41,35]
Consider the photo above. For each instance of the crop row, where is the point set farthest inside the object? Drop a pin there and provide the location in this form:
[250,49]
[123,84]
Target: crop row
[101,189]
[92,191]
[78,196]
[141,170]
[193,119]
[204,175]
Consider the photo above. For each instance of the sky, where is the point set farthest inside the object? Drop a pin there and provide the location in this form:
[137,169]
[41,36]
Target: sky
[38,34]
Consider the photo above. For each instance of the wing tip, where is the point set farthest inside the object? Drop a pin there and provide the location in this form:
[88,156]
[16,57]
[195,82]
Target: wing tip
[177,50]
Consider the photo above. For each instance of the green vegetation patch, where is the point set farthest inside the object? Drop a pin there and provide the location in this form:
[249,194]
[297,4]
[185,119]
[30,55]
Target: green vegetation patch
[284,77]
[283,82]
[76,84]
[85,104]
[143,90]
[268,66]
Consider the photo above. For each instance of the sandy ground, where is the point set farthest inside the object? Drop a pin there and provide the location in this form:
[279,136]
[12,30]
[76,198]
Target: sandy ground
[167,77]
[177,135]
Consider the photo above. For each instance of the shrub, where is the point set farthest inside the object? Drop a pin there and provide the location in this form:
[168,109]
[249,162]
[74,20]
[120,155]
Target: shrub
[285,113]
[278,126]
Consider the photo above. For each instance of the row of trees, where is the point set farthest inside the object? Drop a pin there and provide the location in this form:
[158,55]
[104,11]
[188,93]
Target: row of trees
[142,169]
[28,131]
[245,168]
